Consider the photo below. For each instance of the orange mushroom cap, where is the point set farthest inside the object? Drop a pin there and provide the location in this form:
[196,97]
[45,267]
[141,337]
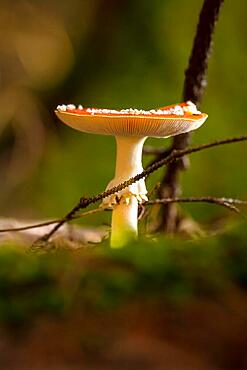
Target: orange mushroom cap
[163,122]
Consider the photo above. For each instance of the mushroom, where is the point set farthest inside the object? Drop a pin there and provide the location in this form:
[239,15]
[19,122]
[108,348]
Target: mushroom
[131,127]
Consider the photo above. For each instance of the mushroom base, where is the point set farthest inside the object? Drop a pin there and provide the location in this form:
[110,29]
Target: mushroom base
[124,221]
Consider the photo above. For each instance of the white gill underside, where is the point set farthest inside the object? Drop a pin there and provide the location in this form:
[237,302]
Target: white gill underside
[130,126]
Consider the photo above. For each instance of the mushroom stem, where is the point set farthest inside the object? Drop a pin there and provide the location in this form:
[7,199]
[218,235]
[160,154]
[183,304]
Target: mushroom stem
[125,211]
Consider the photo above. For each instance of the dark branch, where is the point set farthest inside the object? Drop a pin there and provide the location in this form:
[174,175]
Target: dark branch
[193,89]
[195,75]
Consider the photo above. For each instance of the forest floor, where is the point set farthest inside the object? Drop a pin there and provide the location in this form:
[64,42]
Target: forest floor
[155,305]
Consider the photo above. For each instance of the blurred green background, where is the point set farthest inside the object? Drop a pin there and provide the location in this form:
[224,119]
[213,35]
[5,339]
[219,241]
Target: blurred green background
[112,54]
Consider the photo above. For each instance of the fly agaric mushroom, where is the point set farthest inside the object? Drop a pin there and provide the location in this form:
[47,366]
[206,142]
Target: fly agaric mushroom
[131,127]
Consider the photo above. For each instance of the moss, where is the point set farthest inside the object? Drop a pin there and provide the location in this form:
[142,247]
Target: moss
[28,285]
[170,269]
[235,255]
[173,268]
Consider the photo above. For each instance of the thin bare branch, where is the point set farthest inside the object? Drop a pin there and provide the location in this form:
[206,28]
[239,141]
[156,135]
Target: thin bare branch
[47,223]
[224,202]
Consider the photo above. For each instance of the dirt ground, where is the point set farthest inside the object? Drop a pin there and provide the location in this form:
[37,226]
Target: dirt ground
[147,335]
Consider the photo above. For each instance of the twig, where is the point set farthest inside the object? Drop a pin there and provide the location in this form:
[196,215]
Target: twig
[175,155]
[224,202]
[193,89]
[47,223]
